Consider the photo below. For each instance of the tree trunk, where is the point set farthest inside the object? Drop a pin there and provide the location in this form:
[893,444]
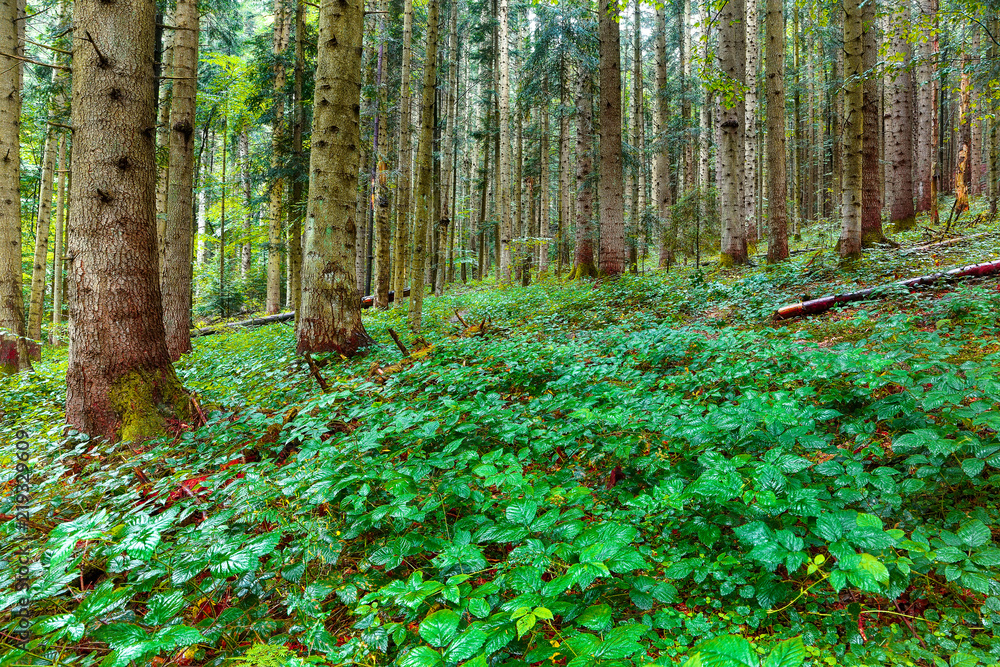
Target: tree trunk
[543,183]
[176,284]
[244,250]
[731,116]
[163,138]
[11,299]
[667,226]
[44,222]
[297,199]
[926,149]
[449,95]
[853,138]
[383,238]
[503,165]
[583,261]
[612,202]
[777,194]
[425,166]
[120,382]
[564,166]
[331,312]
[639,205]
[276,206]
[871,181]
[750,194]
[401,241]
[58,244]
[899,131]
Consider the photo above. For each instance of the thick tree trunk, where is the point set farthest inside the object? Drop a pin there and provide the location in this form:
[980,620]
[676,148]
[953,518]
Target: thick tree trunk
[612,211]
[583,261]
[850,230]
[731,116]
[927,140]
[331,313]
[176,284]
[44,223]
[667,226]
[403,185]
[424,171]
[899,131]
[276,203]
[777,194]
[120,382]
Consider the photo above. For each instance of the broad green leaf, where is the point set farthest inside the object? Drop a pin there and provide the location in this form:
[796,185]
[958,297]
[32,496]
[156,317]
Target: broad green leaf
[596,617]
[465,645]
[974,533]
[522,512]
[963,660]
[163,607]
[439,628]
[727,651]
[422,656]
[524,624]
[789,653]
[972,467]
[176,636]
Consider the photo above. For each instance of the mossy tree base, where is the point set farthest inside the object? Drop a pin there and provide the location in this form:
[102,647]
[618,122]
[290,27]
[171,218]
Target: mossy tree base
[142,401]
[584,270]
[904,224]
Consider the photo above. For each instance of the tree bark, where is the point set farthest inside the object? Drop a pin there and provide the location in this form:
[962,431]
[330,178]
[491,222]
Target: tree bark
[331,312]
[638,115]
[750,194]
[927,140]
[403,185]
[777,193]
[425,166]
[503,165]
[564,166]
[731,116]
[899,131]
[120,382]
[871,181]
[12,324]
[44,223]
[297,197]
[276,204]
[583,261]
[612,224]
[543,183]
[177,273]
[383,238]
[667,226]
[850,230]
[59,243]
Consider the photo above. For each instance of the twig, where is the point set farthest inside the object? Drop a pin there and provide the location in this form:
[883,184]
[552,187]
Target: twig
[464,324]
[50,48]
[100,56]
[314,370]
[35,62]
[197,407]
[399,343]
[62,125]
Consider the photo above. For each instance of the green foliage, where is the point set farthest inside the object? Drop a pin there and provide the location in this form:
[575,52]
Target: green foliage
[635,472]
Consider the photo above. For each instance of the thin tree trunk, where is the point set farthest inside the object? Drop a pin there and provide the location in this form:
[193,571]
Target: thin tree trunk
[276,204]
[331,310]
[731,116]
[639,201]
[120,382]
[503,165]
[926,107]
[383,239]
[44,223]
[750,194]
[297,198]
[58,244]
[12,322]
[543,183]
[176,282]
[564,166]
[777,195]
[424,172]
[667,226]
[403,185]
[899,131]
[583,261]
[871,181]
[446,214]
[850,230]
[612,251]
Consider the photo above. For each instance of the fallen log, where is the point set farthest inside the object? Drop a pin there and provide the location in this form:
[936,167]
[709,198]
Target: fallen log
[827,302]
[941,244]
[366,302]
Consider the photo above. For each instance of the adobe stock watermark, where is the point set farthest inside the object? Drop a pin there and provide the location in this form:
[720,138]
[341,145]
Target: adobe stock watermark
[21,560]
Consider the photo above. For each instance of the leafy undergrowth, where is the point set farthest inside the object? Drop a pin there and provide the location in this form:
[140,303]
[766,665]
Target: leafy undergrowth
[639,472]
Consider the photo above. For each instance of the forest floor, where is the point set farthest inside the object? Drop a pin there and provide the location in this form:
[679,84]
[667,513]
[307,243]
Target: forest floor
[640,471]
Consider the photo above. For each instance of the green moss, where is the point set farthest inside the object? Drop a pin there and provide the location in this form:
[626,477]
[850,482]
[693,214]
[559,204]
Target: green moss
[143,400]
